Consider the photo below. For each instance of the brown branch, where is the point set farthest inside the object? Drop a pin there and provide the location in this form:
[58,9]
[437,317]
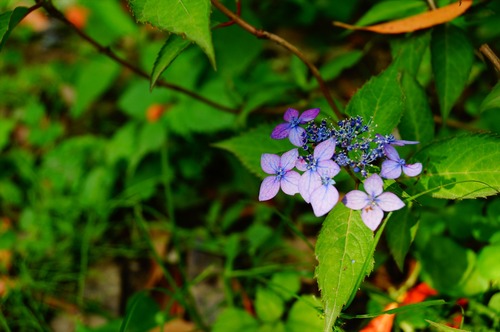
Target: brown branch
[55,13]
[282,42]
[488,52]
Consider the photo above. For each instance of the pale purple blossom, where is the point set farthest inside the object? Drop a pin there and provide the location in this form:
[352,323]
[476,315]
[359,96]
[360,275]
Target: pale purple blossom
[325,197]
[392,167]
[281,174]
[291,128]
[317,166]
[374,202]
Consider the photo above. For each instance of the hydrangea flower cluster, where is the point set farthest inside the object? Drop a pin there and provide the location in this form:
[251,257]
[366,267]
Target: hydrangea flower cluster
[327,148]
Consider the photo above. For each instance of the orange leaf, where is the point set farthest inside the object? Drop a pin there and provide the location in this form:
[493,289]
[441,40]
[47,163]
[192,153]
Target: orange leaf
[416,22]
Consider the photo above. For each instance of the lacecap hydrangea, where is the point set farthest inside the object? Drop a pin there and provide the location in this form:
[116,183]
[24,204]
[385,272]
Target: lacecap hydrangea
[324,149]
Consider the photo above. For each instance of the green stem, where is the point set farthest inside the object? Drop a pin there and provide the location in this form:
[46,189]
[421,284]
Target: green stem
[3,321]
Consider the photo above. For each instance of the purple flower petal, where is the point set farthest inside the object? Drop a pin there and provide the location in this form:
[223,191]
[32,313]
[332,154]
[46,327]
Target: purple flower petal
[328,168]
[390,169]
[323,199]
[389,202]
[281,131]
[374,185]
[309,115]
[391,153]
[296,136]
[290,114]
[269,188]
[372,216]
[270,163]
[290,183]
[413,169]
[289,159]
[308,182]
[356,200]
[325,149]
[301,164]
[399,142]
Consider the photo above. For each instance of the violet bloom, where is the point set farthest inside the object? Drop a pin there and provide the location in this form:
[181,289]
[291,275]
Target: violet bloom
[317,166]
[281,172]
[374,202]
[291,128]
[326,196]
[392,167]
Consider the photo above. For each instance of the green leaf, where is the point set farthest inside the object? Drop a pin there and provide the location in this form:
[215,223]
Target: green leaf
[286,284]
[487,262]
[8,22]
[492,100]
[400,232]
[444,328]
[189,18]
[332,69]
[93,80]
[417,123]
[390,10]
[269,306]
[461,167]
[380,101]
[170,50]
[458,279]
[233,319]
[6,127]
[410,51]
[250,146]
[342,248]
[451,55]
[140,314]
[305,315]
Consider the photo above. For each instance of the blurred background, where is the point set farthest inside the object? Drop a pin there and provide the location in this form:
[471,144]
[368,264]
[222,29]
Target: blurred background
[117,201]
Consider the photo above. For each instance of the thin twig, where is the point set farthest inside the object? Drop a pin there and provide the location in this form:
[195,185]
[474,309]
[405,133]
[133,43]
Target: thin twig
[432,4]
[55,13]
[488,52]
[282,42]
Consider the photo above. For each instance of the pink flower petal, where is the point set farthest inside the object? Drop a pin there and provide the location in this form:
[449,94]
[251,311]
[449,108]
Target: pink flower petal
[374,185]
[270,163]
[390,169]
[290,183]
[389,202]
[372,216]
[309,115]
[413,169]
[296,136]
[356,200]
[281,131]
[325,149]
[291,114]
[308,182]
[289,159]
[269,188]
[391,152]
[323,199]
